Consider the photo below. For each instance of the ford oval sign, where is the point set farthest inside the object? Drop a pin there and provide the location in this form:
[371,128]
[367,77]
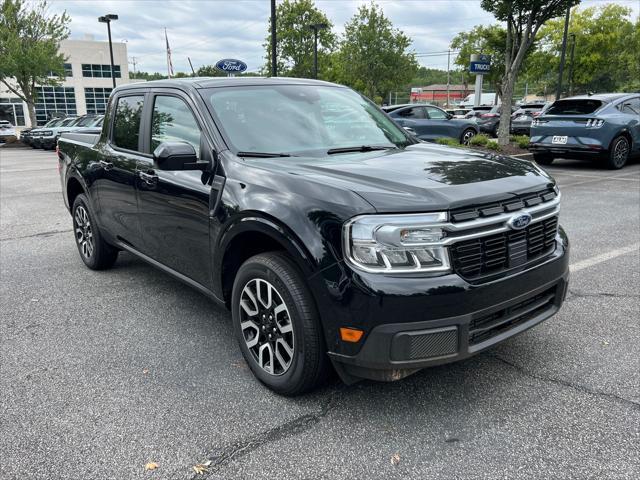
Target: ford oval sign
[230,65]
[518,222]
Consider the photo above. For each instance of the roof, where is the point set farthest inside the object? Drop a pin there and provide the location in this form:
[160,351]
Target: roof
[209,82]
[440,87]
[604,97]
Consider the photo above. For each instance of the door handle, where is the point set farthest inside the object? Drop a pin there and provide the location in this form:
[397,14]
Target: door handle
[148,178]
[106,165]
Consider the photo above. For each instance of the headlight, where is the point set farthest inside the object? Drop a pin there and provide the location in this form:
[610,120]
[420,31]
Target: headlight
[397,243]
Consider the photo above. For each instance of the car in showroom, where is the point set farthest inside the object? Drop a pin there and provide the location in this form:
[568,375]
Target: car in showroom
[7,131]
[604,127]
[428,122]
[333,243]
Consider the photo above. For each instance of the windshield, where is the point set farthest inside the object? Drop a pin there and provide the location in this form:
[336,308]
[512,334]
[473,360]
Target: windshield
[574,107]
[84,121]
[53,123]
[300,119]
[67,122]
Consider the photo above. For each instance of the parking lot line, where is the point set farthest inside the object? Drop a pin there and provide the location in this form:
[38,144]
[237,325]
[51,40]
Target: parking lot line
[603,257]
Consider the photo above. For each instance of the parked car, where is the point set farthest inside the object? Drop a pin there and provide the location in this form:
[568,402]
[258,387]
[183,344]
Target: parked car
[44,137]
[458,112]
[7,131]
[475,112]
[430,122]
[332,243]
[522,117]
[489,122]
[602,126]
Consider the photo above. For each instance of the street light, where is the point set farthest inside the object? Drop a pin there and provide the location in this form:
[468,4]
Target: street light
[108,19]
[315,27]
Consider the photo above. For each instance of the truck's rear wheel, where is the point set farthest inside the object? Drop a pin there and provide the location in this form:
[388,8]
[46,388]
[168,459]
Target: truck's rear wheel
[277,326]
[94,251]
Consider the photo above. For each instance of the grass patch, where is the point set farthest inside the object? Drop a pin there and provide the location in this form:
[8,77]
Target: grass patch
[493,145]
[452,142]
[521,140]
[479,140]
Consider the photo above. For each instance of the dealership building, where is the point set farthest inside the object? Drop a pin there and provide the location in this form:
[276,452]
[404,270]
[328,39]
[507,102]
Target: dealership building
[85,88]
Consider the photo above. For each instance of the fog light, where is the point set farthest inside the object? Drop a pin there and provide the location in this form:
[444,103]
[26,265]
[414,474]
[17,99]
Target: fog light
[351,335]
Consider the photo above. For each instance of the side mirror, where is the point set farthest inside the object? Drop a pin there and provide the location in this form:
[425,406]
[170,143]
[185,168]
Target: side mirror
[449,116]
[177,156]
[411,131]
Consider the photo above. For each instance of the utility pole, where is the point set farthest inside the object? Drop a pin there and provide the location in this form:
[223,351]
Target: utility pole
[562,54]
[191,65]
[274,60]
[134,62]
[448,78]
[573,46]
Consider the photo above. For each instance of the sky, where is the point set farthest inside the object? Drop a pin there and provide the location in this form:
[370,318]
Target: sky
[209,30]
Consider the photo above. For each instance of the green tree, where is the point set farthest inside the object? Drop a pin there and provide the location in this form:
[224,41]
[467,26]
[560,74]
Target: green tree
[295,40]
[29,49]
[607,42]
[429,76]
[487,39]
[524,18]
[374,56]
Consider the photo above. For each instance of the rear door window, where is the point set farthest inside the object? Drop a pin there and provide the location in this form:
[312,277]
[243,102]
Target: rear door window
[414,112]
[631,106]
[126,124]
[574,107]
[436,113]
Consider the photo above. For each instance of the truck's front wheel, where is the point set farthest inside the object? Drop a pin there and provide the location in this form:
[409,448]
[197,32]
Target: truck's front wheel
[277,326]
[94,251]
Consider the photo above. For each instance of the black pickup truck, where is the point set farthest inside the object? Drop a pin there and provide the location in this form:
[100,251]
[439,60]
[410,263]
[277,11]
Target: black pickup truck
[335,238]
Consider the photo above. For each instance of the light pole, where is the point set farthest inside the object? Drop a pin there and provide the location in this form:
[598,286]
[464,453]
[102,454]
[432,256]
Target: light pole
[108,19]
[573,46]
[562,53]
[274,41]
[315,27]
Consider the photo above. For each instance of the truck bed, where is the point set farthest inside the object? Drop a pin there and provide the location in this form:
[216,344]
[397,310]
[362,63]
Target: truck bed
[87,138]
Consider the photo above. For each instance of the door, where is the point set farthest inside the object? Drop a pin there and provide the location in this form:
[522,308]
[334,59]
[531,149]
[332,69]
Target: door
[116,172]
[439,123]
[414,118]
[173,206]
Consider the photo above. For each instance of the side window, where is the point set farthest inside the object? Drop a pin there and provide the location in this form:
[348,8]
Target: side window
[173,121]
[415,112]
[126,124]
[436,113]
[631,106]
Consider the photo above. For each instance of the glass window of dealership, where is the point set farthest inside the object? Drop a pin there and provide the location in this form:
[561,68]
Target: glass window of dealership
[85,87]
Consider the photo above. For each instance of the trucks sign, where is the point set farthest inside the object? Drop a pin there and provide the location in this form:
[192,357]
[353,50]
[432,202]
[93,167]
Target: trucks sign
[480,64]
[231,65]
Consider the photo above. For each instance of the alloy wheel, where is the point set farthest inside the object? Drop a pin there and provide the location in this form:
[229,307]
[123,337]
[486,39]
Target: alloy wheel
[83,232]
[266,326]
[468,135]
[621,151]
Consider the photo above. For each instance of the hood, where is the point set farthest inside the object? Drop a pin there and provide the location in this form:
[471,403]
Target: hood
[422,177]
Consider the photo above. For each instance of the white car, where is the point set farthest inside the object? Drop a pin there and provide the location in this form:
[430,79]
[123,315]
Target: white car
[7,131]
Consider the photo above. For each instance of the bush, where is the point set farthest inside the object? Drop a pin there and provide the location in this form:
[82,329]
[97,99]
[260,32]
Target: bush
[479,140]
[452,142]
[493,145]
[521,140]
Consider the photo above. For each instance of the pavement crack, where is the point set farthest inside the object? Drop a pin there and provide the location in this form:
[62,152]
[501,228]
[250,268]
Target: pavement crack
[39,234]
[580,294]
[296,426]
[564,383]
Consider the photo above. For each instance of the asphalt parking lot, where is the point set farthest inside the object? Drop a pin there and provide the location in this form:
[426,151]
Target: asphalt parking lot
[104,372]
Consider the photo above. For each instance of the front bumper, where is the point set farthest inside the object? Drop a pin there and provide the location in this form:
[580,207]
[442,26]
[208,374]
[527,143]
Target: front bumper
[455,319]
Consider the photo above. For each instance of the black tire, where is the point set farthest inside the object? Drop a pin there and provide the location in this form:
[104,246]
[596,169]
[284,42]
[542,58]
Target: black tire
[309,365]
[543,158]
[101,255]
[467,135]
[618,154]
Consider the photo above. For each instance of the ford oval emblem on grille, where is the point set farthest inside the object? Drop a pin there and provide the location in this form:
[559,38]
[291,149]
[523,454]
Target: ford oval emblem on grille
[518,222]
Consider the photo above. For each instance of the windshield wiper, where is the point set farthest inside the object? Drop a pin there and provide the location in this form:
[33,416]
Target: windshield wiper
[262,154]
[360,148]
